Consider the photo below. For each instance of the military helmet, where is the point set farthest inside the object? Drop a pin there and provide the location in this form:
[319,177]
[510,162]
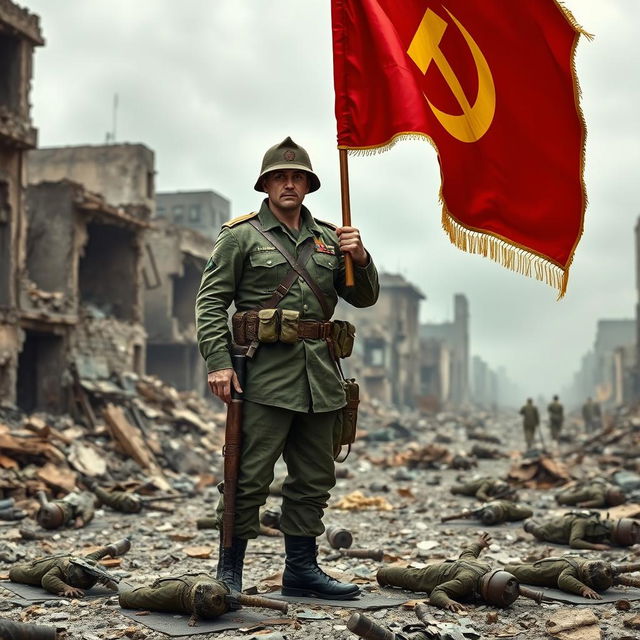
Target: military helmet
[499,588]
[50,516]
[614,496]
[596,574]
[208,599]
[287,155]
[491,513]
[625,532]
[77,576]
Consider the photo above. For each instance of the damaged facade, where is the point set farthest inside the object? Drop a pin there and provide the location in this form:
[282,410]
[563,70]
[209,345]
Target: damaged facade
[81,294]
[19,35]
[445,358]
[179,244]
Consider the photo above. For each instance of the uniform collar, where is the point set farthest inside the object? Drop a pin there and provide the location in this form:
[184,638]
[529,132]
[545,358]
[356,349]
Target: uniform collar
[269,221]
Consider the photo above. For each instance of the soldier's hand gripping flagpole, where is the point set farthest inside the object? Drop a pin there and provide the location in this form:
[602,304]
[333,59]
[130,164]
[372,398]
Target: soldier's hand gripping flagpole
[233,445]
[346,212]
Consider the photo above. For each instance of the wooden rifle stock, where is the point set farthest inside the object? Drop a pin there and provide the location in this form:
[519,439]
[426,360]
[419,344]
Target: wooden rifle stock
[233,446]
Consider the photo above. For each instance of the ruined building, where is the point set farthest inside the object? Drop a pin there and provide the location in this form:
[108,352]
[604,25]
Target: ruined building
[445,358]
[82,293]
[178,247]
[201,211]
[386,359]
[19,34]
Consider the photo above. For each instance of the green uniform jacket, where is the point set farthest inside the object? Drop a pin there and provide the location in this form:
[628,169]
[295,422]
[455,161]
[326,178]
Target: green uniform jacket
[556,413]
[575,530]
[481,488]
[443,581]
[122,501]
[561,573]
[169,594]
[246,269]
[530,416]
[595,493]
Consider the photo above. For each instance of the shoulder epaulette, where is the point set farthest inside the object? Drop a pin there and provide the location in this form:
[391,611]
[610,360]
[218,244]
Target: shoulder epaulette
[239,219]
[326,224]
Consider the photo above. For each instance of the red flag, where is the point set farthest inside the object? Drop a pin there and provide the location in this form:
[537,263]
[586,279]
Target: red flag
[491,84]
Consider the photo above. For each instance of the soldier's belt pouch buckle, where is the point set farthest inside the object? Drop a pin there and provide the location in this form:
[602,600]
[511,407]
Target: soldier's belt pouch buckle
[268,325]
[343,337]
[289,326]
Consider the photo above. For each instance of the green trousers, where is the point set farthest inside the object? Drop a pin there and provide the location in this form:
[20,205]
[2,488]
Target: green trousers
[305,441]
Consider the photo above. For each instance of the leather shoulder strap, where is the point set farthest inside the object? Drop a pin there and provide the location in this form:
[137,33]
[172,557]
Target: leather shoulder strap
[295,266]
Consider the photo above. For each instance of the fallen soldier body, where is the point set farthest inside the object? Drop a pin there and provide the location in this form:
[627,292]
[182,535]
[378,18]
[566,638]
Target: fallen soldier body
[592,494]
[449,581]
[495,512]
[485,488]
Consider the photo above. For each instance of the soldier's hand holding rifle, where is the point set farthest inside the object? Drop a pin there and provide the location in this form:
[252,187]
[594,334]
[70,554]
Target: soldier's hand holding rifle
[220,383]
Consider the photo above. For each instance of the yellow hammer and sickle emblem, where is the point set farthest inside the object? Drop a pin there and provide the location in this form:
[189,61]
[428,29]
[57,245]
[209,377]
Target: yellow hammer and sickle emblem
[475,119]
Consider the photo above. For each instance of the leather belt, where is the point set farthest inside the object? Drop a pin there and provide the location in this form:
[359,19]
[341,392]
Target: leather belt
[245,328]
[314,330]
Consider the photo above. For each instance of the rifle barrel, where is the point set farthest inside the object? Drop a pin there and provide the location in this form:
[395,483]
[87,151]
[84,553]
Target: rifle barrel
[260,601]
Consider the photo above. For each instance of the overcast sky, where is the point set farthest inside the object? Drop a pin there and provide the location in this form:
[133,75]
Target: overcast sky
[210,84]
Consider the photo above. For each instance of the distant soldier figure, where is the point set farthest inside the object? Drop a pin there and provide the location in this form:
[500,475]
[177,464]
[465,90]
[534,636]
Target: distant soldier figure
[556,418]
[484,488]
[495,512]
[597,416]
[447,582]
[574,575]
[75,509]
[199,594]
[585,530]
[588,415]
[65,574]
[530,421]
[591,494]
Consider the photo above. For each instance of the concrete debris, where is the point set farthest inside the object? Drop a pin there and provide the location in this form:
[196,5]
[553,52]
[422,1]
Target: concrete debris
[574,624]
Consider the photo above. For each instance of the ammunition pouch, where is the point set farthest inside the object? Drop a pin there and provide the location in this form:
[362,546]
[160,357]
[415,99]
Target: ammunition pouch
[276,325]
[343,337]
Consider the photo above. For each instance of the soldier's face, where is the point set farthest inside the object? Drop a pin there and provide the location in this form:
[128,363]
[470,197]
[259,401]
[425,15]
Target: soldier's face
[286,188]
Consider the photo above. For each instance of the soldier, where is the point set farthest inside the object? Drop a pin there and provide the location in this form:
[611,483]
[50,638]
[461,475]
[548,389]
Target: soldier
[74,509]
[585,530]
[448,581]
[485,488]
[556,418]
[124,501]
[293,392]
[530,421]
[574,575]
[495,512]
[65,574]
[591,494]
[196,593]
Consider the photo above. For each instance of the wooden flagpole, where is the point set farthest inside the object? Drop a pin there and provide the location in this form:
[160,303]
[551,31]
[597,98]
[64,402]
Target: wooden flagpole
[346,213]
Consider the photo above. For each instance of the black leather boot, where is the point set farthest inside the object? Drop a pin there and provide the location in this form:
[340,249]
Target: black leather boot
[303,577]
[230,562]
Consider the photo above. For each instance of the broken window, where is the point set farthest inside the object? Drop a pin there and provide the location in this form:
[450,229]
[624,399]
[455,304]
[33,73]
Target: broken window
[185,289]
[10,48]
[108,271]
[150,185]
[374,352]
[178,211]
[194,213]
[40,368]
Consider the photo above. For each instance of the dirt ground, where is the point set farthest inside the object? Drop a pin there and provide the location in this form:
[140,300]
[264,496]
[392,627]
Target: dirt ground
[410,532]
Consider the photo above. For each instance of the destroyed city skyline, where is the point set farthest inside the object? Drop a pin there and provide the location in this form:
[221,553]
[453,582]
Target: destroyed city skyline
[189,77]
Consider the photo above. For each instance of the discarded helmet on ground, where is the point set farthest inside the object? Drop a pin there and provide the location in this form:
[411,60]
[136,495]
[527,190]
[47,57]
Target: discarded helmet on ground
[625,532]
[499,588]
[287,155]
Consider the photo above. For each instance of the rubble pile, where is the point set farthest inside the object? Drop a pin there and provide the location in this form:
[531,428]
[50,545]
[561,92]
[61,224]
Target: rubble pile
[146,432]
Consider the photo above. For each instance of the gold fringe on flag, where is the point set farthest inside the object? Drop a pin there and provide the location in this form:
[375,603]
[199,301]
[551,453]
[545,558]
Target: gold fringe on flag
[510,255]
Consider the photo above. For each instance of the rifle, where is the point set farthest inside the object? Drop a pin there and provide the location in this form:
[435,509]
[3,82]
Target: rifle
[233,445]
[364,554]
[467,513]
[96,571]
[237,598]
